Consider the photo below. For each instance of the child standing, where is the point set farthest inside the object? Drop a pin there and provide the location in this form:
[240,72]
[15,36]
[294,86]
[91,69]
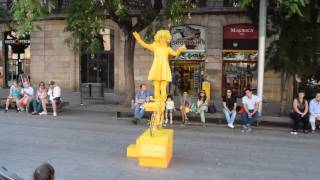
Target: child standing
[169,109]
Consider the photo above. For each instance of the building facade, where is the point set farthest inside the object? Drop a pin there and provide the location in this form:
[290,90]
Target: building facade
[220,38]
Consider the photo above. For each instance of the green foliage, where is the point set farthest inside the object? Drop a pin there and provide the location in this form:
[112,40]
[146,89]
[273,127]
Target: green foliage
[296,51]
[84,23]
[25,13]
[290,7]
[176,10]
[84,18]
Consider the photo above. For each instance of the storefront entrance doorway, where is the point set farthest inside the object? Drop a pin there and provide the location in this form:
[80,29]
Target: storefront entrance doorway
[186,76]
[98,67]
[17,57]
[238,76]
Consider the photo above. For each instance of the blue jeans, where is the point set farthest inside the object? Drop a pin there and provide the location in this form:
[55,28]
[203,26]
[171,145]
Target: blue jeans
[229,117]
[249,121]
[37,106]
[138,112]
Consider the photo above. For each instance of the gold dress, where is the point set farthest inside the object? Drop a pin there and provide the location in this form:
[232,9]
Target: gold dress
[160,69]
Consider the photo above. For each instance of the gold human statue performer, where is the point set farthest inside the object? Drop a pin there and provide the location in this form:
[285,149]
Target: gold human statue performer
[154,147]
[160,73]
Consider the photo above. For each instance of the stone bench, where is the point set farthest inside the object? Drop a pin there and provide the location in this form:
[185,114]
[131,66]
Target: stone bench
[219,116]
[60,105]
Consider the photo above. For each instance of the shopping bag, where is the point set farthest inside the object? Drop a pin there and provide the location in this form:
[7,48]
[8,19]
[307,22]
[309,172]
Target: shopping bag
[24,101]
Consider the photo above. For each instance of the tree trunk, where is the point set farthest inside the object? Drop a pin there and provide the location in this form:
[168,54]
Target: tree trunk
[284,93]
[129,46]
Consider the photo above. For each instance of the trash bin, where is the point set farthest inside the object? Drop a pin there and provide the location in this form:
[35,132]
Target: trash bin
[92,90]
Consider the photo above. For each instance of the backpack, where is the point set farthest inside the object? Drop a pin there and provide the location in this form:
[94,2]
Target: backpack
[212,108]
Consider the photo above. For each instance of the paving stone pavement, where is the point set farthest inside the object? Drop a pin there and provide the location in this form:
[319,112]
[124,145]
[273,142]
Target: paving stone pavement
[90,145]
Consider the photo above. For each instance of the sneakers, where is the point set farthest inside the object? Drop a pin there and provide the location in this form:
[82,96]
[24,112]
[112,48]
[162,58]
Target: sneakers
[34,113]
[43,113]
[313,131]
[135,121]
[171,122]
[55,114]
[294,132]
[187,122]
[231,126]
[246,129]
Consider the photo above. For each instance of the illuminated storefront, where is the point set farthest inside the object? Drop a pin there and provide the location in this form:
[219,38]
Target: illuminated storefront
[240,44]
[188,69]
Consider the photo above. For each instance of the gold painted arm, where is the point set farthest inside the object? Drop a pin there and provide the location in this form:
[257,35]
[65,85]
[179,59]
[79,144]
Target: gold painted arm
[141,42]
[178,52]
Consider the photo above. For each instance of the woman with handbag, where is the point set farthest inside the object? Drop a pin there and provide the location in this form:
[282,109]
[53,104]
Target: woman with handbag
[202,106]
[40,96]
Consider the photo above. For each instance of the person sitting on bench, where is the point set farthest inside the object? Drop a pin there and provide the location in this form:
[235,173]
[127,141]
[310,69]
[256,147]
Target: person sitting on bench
[251,105]
[27,94]
[141,98]
[54,94]
[40,95]
[14,95]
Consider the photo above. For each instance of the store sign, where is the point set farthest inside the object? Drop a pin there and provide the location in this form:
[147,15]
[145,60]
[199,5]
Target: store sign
[12,39]
[240,31]
[193,37]
[17,41]
[240,37]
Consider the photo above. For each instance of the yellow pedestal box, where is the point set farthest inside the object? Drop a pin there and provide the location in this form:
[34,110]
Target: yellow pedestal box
[153,151]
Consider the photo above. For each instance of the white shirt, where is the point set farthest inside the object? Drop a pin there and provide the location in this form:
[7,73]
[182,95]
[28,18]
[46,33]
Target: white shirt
[28,91]
[250,102]
[169,104]
[54,93]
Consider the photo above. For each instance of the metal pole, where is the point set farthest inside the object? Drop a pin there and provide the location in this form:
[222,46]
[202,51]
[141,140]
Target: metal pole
[261,52]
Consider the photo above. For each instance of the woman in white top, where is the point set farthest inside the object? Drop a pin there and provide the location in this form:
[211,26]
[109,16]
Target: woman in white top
[169,109]
[54,95]
[202,106]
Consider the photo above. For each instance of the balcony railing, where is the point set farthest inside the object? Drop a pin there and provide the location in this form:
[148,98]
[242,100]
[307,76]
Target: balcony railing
[215,4]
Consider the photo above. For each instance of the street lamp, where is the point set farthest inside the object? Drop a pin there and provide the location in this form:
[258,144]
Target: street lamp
[262,48]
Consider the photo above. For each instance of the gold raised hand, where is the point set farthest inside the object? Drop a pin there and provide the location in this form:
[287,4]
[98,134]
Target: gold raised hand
[182,48]
[136,35]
